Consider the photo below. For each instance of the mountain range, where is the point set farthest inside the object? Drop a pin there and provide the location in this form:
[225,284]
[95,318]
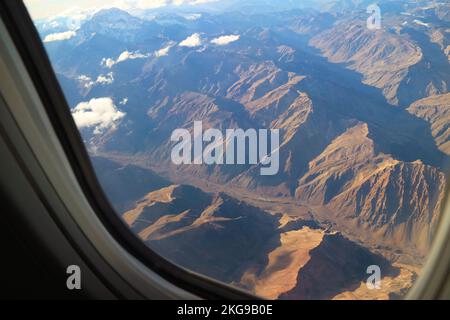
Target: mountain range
[364,122]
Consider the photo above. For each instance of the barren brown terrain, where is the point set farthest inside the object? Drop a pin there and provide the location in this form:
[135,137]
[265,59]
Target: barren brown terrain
[364,123]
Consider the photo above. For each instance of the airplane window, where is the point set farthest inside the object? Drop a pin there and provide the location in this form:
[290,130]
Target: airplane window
[293,149]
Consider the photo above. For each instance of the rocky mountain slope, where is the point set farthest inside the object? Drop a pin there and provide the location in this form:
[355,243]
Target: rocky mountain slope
[382,57]
[263,254]
[397,201]
[363,120]
[436,111]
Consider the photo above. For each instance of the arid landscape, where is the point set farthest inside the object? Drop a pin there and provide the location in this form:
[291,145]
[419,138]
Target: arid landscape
[364,120]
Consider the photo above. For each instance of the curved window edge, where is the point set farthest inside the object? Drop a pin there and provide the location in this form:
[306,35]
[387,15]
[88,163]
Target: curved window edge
[32,53]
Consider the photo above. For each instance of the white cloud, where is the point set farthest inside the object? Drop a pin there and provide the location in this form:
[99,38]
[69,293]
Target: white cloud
[86,81]
[84,78]
[100,114]
[108,62]
[191,41]
[224,40]
[126,55]
[163,52]
[124,101]
[60,36]
[105,79]
[421,23]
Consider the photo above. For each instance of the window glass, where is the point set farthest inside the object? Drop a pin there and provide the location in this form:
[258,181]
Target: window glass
[295,149]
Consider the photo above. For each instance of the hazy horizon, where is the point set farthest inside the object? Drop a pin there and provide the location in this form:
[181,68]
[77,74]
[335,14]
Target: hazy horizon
[42,9]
